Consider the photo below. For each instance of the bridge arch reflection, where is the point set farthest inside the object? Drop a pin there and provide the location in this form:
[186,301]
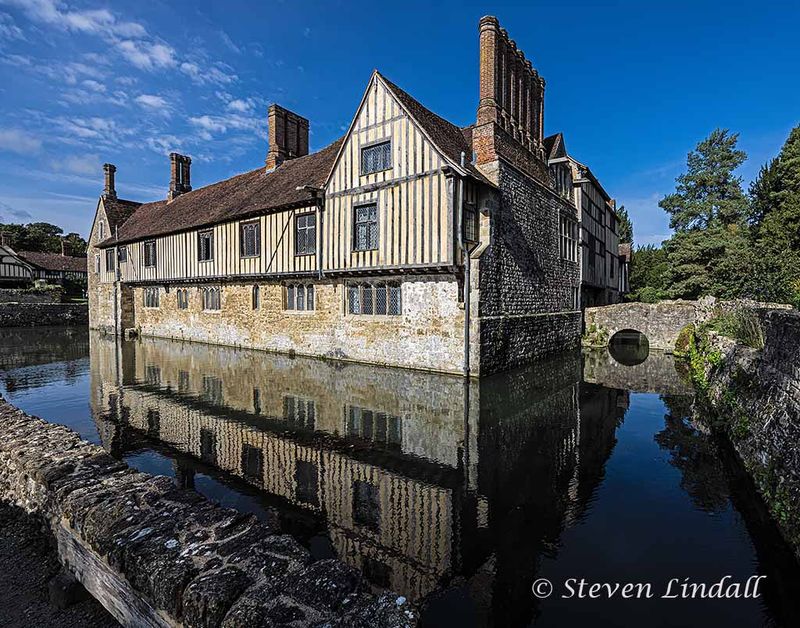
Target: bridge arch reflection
[629,347]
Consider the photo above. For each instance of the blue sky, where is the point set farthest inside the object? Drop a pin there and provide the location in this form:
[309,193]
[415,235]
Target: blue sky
[632,85]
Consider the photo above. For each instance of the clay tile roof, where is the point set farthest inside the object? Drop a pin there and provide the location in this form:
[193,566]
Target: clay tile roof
[54,261]
[118,210]
[449,138]
[242,195]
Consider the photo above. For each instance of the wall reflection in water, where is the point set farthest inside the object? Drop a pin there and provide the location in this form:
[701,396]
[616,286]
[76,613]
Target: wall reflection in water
[413,477]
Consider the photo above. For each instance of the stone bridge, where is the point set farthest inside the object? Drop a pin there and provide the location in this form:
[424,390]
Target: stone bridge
[660,322]
[660,373]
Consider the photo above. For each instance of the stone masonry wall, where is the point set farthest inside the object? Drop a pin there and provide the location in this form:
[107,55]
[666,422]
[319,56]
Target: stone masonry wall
[756,398]
[42,314]
[21,295]
[428,335]
[156,555]
[525,304]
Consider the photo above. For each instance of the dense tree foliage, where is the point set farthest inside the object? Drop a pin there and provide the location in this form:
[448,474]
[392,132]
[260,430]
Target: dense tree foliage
[42,236]
[625,226]
[726,243]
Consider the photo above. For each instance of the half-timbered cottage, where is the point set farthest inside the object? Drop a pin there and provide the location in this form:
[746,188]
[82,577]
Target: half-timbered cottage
[410,241]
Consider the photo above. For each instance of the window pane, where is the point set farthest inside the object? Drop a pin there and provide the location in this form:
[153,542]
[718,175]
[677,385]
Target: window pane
[353,300]
[310,298]
[395,306]
[367,300]
[380,299]
[290,297]
[301,298]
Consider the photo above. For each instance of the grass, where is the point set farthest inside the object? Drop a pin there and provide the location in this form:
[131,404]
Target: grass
[742,325]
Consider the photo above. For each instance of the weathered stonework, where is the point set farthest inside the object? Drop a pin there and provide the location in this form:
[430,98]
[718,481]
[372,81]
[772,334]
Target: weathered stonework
[31,295]
[756,398]
[156,555]
[42,314]
[427,335]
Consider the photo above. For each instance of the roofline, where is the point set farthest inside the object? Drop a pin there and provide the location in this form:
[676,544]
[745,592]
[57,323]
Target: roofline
[262,211]
[593,179]
[374,77]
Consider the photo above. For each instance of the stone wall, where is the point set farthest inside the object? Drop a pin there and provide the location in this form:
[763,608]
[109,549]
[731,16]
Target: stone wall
[755,398]
[156,555]
[427,335]
[43,314]
[20,295]
[525,307]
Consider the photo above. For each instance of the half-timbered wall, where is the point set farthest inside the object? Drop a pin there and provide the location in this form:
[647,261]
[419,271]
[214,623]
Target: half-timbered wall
[415,220]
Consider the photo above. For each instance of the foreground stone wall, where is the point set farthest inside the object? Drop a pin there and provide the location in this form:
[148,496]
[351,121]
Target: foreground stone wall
[21,295]
[755,398]
[43,314]
[156,555]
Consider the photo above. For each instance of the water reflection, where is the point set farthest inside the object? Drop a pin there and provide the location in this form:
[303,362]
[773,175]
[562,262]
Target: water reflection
[629,347]
[458,496]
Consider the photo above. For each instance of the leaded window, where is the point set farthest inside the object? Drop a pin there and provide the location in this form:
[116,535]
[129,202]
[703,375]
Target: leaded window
[150,253]
[568,239]
[365,227]
[109,260]
[305,234]
[376,157]
[211,299]
[151,297]
[470,223]
[182,296]
[250,239]
[205,246]
[378,298]
[299,297]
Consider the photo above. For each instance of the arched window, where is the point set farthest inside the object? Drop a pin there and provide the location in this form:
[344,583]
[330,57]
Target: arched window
[256,297]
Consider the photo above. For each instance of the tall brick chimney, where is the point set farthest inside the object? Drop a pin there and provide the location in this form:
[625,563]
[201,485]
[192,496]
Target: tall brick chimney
[179,175]
[109,191]
[511,107]
[288,136]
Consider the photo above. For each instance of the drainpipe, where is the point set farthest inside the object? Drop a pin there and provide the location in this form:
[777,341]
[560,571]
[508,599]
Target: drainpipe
[466,259]
[117,314]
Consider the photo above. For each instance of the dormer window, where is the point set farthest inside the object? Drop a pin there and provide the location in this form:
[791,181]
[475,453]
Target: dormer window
[376,157]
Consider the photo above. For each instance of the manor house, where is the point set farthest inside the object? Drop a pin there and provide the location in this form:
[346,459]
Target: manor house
[410,241]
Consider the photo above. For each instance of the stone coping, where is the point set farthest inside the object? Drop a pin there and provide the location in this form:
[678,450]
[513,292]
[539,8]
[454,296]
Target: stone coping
[157,555]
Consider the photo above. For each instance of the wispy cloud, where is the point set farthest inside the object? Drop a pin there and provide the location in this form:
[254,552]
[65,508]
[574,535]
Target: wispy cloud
[151,101]
[19,141]
[8,28]
[78,164]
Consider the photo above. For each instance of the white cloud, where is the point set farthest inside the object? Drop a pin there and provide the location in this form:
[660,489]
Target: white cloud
[78,164]
[152,101]
[145,55]
[208,126]
[164,144]
[229,42]
[94,86]
[94,21]
[219,74]
[8,29]
[241,105]
[19,141]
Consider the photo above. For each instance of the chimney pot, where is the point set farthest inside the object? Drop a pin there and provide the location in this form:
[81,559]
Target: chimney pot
[288,136]
[109,191]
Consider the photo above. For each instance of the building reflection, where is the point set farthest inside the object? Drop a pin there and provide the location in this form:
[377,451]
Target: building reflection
[415,478]
[30,358]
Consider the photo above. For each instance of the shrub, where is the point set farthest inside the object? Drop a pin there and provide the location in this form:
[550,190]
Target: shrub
[741,324]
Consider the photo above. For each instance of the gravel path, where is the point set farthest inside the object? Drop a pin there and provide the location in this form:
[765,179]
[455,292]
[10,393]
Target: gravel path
[27,563]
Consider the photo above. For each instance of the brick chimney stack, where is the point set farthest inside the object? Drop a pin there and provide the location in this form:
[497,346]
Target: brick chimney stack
[109,191]
[510,114]
[288,136]
[179,175]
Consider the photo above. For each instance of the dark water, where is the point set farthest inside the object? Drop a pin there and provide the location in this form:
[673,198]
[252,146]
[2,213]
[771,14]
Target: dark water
[457,496]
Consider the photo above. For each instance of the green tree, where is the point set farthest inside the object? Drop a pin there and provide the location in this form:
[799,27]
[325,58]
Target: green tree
[709,193]
[708,212]
[42,236]
[648,274]
[625,225]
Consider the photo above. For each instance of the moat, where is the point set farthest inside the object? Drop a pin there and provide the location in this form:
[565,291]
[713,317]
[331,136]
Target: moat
[458,496]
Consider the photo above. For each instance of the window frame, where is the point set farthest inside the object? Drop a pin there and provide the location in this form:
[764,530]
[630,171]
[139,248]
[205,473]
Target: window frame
[151,297]
[372,146]
[153,258]
[255,225]
[182,298]
[306,228]
[201,235]
[368,292]
[110,260]
[97,263]
[122,254]
[291,297]
[255,297]
[211,290]
[367,223]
